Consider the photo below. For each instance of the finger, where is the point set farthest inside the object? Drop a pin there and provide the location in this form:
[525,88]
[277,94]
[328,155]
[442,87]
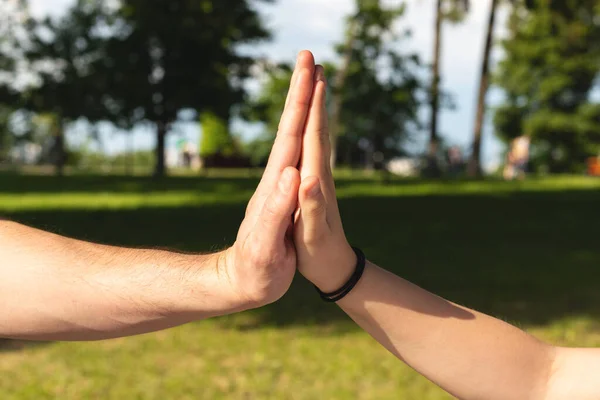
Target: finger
[305,57]
[287,147]
[312,225]
[294,79]
[276,214]
[315,146]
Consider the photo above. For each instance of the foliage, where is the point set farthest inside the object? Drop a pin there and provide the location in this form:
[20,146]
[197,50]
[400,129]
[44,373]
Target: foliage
[550,69]
[379,96]
[258,150]
[455,11]
[266,108]
[11,33]
[145,61]
[85,160]
[216,138]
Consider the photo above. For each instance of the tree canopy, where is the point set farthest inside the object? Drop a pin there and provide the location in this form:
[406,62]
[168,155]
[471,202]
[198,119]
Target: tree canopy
[379,95]
[549,71]
[145,61]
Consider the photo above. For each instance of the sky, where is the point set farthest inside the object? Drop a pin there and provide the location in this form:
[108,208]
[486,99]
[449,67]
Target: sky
[317,25]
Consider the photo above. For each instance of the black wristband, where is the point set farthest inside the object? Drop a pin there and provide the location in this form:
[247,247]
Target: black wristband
[344,290]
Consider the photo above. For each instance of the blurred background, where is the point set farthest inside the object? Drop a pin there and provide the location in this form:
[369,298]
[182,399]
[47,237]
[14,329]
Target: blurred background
[467,158]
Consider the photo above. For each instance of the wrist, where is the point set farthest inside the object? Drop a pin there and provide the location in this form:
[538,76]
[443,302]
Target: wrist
[335,272]
[207,286]
[236,296]
[244,292]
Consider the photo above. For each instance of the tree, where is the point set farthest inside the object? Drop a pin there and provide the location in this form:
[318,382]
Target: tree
[180,55]
[216,139]
[378,99]
[474,167]
[374,90]
[339,81]
[12,16]
[548,73]
[62,53]
[145,61]
[266,108]
[453,11]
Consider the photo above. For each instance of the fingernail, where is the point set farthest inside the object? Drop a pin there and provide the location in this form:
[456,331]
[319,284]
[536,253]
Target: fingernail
[285,182]
[315,190]
[320,75]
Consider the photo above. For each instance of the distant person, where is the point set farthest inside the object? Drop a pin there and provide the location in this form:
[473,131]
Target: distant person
[593,166]
[517,159]
[52,287]
[455,161]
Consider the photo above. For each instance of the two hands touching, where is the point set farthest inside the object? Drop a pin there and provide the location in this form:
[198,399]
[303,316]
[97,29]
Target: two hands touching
[57,288]
[469,354]
[292,221]
[91,291]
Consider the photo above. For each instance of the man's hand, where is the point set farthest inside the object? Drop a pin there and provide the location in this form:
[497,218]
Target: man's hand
[324,255]
[261,264]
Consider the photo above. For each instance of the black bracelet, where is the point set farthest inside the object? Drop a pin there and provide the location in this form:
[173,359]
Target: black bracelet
[344,290]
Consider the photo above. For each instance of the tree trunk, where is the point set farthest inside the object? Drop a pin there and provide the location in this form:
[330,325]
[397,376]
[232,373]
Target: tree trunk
[338,84]
[60,155]
[474,168]
[161,133]
[130,160]
[435,84]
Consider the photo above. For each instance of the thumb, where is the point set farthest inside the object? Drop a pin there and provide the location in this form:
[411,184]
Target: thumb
[313,210]
[276,215]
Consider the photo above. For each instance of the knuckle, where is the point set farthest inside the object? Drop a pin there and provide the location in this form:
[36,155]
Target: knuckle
[273,206]
[286,131]
[322,133]
[317,209]
[300,103]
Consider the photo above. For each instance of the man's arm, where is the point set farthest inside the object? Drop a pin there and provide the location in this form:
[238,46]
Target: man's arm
[55,288]
[469,354]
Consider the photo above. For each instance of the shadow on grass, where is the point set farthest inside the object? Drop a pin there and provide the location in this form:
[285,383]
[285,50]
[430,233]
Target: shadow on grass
[245,181]
[529,258]
[17,184]
[9,345]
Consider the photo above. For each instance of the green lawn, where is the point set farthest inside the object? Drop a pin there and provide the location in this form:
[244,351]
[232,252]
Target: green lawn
[527,252]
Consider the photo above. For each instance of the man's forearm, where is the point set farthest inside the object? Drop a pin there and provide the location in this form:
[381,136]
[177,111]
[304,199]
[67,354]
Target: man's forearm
[56,288]
[469,354]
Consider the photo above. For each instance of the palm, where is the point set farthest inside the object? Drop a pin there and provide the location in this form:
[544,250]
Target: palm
[262,262]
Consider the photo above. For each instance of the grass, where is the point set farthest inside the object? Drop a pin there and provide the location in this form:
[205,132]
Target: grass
[526,252]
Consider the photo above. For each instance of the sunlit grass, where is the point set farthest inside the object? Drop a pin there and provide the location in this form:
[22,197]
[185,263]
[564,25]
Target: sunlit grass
[188,191]
[524,251]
